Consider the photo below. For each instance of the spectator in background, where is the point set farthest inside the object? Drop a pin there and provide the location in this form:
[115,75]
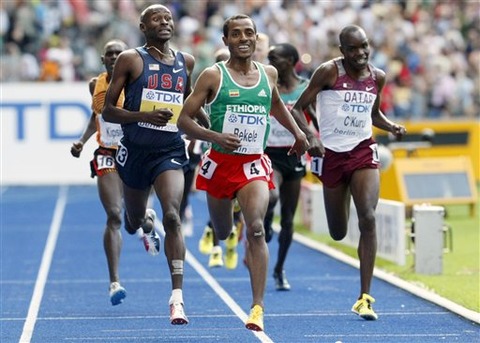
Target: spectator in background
[60,54]
[261,51]
[442,95]
[422,31]
[10,63]
[402,89]
[463,100]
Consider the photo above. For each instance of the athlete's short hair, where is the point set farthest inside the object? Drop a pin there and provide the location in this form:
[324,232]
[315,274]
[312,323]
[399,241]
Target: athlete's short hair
[286,50]
[236,17]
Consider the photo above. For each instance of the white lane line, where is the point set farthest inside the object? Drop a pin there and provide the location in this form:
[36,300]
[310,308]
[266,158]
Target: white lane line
[44,266]
[407,335]
[227,299]
[382,275]
[210,280]
[274,315]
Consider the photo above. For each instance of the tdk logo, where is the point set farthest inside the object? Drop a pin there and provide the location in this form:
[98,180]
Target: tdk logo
[150,96]
[232,118]
[246,119]
[161,96]
[251,119]
[356,108]
[54,111]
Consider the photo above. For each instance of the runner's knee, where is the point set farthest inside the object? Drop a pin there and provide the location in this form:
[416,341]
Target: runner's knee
[114,218]
[366,221]
[338,233]
[171,220]
[255,231]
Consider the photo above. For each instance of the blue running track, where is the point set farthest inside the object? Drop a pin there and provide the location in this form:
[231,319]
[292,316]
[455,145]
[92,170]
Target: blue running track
[54,286]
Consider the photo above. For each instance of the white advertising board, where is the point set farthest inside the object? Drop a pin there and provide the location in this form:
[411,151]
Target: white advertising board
[39,122]
[390,219]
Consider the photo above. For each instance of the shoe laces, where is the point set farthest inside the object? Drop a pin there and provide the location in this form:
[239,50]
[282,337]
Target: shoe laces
[114,286]
[367,304]
[177,309]
[368,298]
[256,312]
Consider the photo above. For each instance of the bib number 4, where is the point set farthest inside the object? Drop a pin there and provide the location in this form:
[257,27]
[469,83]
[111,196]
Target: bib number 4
[260,167]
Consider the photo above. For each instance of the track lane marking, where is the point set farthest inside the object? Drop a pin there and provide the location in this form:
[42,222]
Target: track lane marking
[44,269]
[216,287]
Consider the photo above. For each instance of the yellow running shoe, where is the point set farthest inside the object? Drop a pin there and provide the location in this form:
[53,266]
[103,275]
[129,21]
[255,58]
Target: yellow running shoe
[205,244]
[231,258]
[232,239]
[216,259]
[363,307]
[255,319]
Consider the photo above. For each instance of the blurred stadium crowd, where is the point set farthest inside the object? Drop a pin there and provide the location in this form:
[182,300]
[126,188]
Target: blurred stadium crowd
[430,49]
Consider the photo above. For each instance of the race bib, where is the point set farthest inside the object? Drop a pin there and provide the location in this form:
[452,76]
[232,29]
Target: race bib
[157,99]
[279,136]
[110,133]
[316,165]
[375,156]
[105,162]
[260,167]
[207,168]
[250,128]
[122,155]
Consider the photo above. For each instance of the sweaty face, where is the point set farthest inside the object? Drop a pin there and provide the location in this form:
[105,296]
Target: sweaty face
[158,23]
[356,49]
[241,38]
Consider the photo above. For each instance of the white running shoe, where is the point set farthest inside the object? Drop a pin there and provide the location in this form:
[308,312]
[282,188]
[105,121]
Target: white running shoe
[117,293]
[177,314]
[151,240]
